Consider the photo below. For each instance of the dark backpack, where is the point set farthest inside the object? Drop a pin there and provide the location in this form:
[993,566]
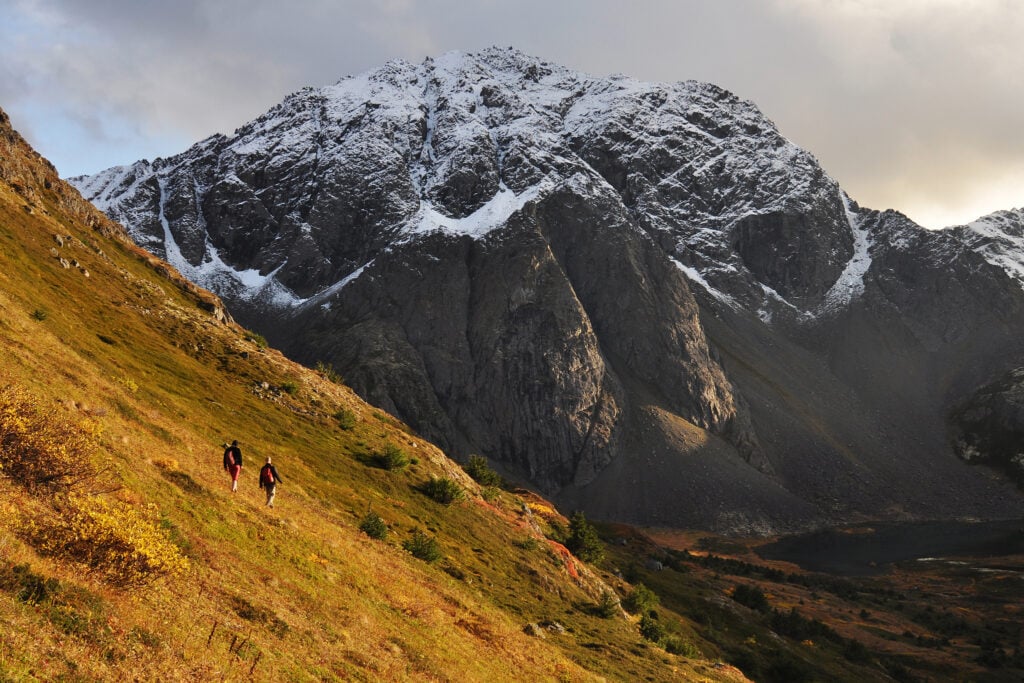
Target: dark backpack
[267,475]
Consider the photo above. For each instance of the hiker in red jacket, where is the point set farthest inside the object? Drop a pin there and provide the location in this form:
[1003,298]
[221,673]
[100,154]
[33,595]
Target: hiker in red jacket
[233,463]
[269,479]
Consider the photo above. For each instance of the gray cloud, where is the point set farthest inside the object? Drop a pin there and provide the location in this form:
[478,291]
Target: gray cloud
[912,104]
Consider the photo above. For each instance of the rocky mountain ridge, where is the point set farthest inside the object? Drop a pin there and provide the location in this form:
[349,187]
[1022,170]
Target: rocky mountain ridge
[641,297]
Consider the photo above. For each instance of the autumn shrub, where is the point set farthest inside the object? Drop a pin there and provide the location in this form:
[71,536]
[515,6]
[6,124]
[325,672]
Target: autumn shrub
[41,448]
[124,544]
[443,490]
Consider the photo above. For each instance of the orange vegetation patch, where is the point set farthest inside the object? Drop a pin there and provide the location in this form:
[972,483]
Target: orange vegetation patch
[566,556]
[512,519]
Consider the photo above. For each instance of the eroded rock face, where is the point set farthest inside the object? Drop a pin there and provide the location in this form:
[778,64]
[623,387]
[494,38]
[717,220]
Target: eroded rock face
[521,345]
[799,255]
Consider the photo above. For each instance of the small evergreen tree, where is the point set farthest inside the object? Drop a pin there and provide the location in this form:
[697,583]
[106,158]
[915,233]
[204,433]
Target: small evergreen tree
[392,457]
[750,596]
[677,645]
[346,418]
[583,540]
[608,607]
[374,526]
[650,628]
[481,472]
[444,490]
[641,600]
[328,372]
[422,547]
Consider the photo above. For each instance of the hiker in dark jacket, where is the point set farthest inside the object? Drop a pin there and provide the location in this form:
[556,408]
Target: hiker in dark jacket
[269,479]
[233,463]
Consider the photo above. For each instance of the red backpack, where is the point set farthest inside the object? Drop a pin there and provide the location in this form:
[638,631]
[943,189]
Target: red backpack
[267,475]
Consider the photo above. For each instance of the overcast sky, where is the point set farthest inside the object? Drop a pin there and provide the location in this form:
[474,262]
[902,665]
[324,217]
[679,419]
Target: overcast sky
[916,105]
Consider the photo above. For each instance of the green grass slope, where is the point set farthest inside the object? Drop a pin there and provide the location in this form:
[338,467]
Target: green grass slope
[124,555]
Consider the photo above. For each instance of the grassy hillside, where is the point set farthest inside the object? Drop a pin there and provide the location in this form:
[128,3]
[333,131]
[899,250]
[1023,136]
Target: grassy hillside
[123,553]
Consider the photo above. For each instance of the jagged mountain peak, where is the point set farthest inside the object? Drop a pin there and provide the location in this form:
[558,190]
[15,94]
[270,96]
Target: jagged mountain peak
[465,130]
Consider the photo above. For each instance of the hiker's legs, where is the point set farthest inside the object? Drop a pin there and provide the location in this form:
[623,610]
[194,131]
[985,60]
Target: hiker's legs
[235,469]
[271,490]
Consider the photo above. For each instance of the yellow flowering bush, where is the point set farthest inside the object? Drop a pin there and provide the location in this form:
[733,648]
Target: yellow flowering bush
[121,542]
[41,447]
[47,452]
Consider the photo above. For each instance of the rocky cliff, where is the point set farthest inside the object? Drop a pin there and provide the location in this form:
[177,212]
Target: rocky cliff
[640,297]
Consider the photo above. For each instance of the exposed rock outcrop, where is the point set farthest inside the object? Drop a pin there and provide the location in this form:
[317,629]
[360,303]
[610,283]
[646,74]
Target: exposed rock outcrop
[989,427]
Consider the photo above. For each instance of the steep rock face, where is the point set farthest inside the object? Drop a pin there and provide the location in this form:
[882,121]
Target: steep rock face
[635,295]
[934,319]
[364,175]
[999,238]
[718,186]
[528,338]
[989,427]
[783,251]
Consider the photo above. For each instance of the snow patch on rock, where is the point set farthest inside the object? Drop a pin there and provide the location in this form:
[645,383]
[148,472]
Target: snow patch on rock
[850,284]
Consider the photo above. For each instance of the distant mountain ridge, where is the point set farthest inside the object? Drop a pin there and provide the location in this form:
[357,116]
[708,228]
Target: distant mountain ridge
[641,297]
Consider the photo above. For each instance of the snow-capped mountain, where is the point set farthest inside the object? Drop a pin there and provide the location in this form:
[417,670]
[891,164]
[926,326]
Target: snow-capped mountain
[639,296]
